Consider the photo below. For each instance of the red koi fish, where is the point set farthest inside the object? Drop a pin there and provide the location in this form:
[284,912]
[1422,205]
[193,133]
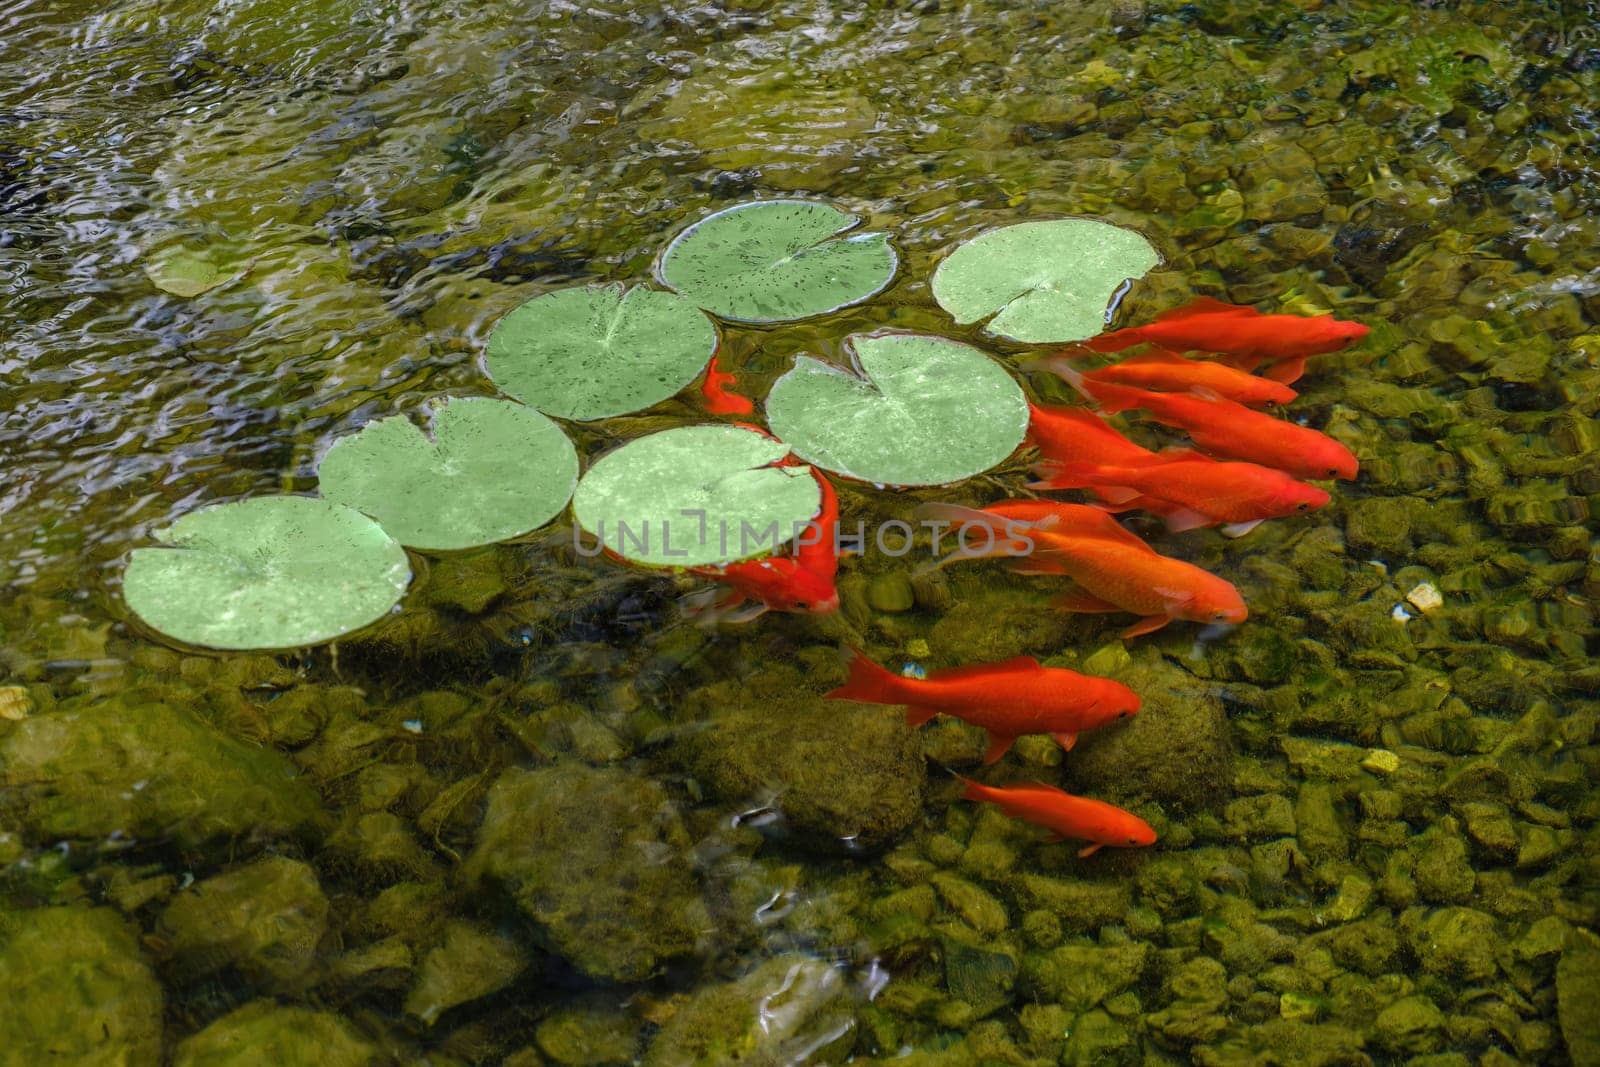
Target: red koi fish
[1247,337]
[1064,815]
[800,582]
[1223,428]
[1161,371]
[1191,490]
[1122,573]
[1007,700]
[718,401]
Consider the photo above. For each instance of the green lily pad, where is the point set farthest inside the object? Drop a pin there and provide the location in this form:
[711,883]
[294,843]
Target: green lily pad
[923,411]
[1041,281]
[696,496]
[591,353]
[273,572]
[494,469]
[186,272]
[775,261]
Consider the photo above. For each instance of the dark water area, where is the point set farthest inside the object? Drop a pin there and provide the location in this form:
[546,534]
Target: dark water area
[537,817]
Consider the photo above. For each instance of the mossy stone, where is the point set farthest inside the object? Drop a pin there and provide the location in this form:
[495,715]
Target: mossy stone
[472,961]
[1380,526]
[1577,993]
[786,1010]
[148,771]
[1410,1025]
[599,861]
[891,593]
[1443,872]
[847,777]
[979,971]
[265,1032]
[266,920]
[80,992]
[1258,817]
[593,1032]
[1081,977]
[1457,942]
[1136,759]
[1096,1038]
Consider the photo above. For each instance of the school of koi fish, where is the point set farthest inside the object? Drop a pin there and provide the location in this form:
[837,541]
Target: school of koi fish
[1244,468]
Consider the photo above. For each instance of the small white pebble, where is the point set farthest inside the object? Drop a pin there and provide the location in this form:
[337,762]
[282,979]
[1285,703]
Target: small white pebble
[1378,565]
[1400,614]
[1425,597]
[1381,761]
[414,725]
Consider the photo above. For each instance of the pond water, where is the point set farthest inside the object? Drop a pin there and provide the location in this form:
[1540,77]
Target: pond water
[538,817]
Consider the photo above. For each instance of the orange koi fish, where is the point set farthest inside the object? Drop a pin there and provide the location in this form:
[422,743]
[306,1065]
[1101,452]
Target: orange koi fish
[801,582]
[1122,573]
[1247,337]
[1005,526]
[1101,824]
[1197,490]
[718,401]
[1074,435]
[1007,700]
[1167,372]
[1224,428]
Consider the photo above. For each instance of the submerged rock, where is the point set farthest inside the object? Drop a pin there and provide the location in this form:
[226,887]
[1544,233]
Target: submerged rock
[847,777]
[1136,759]
[472,962]
[79,990]
[263,1032]
[149,771]
[786,1011]
[1577,998]
[266,920]
[598,859]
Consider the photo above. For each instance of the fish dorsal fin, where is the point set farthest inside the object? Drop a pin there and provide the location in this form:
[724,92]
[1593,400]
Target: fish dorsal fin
[1206,305]
[986,670]
[1187,455]
[1205,392]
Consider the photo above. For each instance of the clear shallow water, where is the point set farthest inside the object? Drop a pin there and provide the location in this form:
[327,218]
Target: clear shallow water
[539,819]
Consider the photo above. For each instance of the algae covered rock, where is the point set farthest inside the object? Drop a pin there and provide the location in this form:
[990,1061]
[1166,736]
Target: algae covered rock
[1083,976]
[598,859]
[145,772]
[1578,999]
[785,1011]
[263,1032]
[471,962]
[847,777]
[79,990]
[1176,750]
[593,1032]
[1456,942]
[1410,1024]
[266,920]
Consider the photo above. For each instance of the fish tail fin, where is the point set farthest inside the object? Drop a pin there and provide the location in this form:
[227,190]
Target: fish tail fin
[1109,397]
[1095,476]
[970,790]
[868,682]
[1002,540]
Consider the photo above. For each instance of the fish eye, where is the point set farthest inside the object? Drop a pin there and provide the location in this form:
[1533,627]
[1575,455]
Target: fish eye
[1133,840]
[1333,472]
[1124,713]
[1301,506]
[1221,616]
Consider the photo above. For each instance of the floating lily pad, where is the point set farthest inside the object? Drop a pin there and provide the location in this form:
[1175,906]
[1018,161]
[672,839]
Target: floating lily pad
[1041,281]
[273,572]
[494,469]
[696,496]
[923,411]
[591,353]
[187,272]
[775,261]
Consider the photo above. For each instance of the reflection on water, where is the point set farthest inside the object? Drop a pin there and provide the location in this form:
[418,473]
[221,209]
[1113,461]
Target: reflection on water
[536,818]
